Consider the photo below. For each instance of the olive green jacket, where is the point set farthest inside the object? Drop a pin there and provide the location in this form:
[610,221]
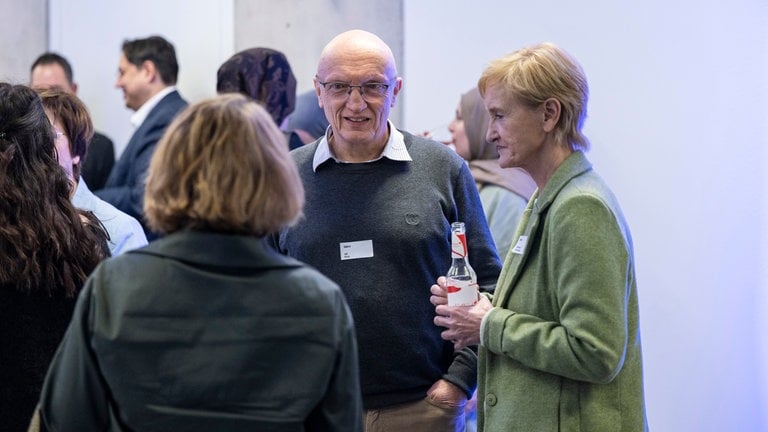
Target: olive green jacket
[561,350]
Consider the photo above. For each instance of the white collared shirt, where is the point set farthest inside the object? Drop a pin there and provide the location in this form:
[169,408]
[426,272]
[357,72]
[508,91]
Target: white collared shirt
[141,114]
[394,149]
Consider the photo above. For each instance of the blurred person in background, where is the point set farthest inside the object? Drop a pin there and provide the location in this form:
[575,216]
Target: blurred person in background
[53,71]
[69,116]
[147,74]
[264,75]
[504,192]
[308,119]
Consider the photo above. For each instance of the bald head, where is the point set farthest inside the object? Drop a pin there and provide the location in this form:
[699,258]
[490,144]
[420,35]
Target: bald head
[357,46]
[362,64]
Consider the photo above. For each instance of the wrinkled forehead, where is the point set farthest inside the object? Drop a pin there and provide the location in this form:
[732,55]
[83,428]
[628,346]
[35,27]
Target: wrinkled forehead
[347,61]
[495,93]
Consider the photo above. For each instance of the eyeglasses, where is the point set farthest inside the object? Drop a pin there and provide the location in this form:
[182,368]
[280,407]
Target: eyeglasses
[342,90]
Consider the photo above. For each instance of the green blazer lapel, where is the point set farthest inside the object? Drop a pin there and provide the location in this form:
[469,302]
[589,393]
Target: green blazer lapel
[534,215]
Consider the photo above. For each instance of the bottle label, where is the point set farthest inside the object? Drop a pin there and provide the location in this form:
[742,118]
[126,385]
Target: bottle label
[458,245]
[461,292]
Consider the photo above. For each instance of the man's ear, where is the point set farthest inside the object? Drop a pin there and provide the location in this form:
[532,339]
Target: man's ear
[398,85]
[148,68]
[552,110]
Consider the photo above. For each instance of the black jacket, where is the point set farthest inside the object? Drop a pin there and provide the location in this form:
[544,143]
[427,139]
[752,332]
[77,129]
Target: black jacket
[201,331]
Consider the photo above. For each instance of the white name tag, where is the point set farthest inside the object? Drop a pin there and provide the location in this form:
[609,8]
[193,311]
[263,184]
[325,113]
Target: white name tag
[356,250]
[520,246]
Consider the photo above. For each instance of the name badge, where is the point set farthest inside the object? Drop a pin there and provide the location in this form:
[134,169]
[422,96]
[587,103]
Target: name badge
[356,250]
[520,246]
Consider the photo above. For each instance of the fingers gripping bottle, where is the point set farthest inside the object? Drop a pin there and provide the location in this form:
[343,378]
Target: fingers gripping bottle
[461,280]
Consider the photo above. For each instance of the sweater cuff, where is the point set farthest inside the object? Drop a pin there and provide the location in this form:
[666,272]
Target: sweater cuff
[463,371]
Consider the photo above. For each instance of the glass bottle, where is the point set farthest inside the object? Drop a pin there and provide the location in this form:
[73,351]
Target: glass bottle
[461,280]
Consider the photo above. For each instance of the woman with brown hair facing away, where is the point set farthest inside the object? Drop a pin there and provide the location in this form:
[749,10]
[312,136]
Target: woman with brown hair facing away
[208,328]
[47,250]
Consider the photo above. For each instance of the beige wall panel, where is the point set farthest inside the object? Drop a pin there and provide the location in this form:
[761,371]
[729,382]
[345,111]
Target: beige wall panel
[23,36]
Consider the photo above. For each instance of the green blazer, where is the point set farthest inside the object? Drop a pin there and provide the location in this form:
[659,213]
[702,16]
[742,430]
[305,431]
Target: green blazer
[560,350]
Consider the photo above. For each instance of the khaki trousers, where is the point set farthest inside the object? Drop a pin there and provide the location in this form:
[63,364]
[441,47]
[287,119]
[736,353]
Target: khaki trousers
[419,416]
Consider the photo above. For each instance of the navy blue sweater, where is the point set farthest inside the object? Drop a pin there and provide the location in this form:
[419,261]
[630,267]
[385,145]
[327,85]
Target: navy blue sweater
[405,209]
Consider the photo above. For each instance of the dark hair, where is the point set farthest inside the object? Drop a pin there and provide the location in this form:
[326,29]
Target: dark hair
[157,50]
[53,58]
[45,243]
[71,112]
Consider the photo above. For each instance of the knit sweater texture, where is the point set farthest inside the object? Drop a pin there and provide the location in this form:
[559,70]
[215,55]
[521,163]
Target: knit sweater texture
[405,209]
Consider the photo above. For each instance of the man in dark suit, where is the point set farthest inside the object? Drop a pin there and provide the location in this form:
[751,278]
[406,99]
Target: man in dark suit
[51,70]
[148,71]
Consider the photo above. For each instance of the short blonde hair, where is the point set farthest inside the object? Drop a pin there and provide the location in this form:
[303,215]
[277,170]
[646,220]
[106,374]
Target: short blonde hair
[534,74]
[223,166]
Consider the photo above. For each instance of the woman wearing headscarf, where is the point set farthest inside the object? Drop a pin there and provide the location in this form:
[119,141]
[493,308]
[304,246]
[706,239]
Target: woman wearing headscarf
[504,192]
[264,75]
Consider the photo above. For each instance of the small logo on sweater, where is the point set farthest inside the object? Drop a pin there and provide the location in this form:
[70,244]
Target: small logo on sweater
[411,218]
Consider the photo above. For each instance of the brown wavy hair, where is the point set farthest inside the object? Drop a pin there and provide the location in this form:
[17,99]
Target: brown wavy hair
[71,112]
[45,243]
[223,166]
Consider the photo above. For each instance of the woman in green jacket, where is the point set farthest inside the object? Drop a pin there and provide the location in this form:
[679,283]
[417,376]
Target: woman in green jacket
[559,340]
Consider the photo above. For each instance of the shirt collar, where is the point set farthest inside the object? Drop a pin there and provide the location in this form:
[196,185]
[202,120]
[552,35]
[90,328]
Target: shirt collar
[141,114]
[394,149]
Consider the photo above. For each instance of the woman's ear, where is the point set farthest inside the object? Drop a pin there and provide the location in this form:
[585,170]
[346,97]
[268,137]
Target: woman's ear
[551,114]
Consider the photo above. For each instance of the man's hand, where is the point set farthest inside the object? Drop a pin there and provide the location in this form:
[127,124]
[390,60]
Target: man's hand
[443,393]
[462,323]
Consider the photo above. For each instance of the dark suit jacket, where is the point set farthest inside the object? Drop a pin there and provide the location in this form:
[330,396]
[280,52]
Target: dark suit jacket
[125,185]
[99,161]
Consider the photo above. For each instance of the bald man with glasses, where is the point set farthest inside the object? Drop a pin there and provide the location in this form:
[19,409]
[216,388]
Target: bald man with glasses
[380,203]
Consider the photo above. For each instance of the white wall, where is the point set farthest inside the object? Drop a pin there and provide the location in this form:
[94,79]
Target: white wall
[90,34]
[677,119]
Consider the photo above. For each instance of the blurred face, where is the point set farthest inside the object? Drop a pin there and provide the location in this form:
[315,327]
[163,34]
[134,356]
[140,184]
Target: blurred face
[357,119]
[515,129]
[134,82]
[63,152]
[459,137]
[50,76]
